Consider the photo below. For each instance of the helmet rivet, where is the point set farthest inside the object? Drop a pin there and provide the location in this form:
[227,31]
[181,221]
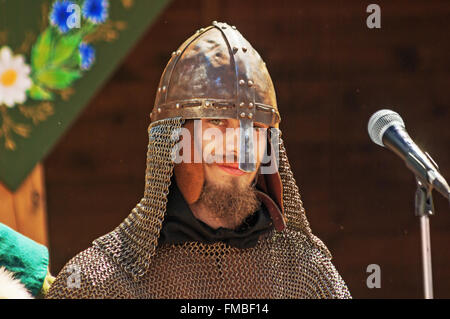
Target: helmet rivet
[178,52]
[214,22]
[244,49]
[173,53]
[273,110]
[164,88]
[250,82]
[159,89]
[250,115]
[250,105]
[233,27]
[242,114]
[207,103]
[242,104]
[241,82]
[177,106]
[159,110]
[202,29]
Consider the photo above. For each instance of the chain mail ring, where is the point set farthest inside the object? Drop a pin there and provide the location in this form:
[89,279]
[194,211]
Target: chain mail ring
[127,263]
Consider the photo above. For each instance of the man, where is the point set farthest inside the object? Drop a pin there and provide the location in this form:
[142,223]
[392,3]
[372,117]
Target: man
[221,217]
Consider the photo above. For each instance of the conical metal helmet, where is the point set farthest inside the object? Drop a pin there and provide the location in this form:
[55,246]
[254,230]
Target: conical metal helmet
[217,74]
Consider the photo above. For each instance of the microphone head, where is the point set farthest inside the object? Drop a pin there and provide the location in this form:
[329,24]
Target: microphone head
[380,121]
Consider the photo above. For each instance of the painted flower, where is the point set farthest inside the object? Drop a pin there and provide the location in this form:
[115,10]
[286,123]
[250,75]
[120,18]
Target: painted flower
[95,11]
[14,79]
[87,53]
[61,12]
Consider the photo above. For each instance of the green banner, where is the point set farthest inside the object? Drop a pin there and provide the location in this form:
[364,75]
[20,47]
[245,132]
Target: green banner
[54,55]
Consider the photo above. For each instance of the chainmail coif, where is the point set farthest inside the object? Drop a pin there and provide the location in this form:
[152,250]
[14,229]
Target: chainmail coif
[127,263]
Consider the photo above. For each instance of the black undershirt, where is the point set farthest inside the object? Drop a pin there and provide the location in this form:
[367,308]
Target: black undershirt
[180,225]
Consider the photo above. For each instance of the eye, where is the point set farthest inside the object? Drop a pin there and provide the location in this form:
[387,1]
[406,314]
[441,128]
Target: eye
[216,122]
[256,125]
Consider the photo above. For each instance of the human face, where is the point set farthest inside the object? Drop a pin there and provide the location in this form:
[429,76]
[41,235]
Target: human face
[227,173]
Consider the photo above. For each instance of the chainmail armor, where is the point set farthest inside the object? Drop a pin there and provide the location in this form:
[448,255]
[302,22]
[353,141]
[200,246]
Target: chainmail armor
[127,263]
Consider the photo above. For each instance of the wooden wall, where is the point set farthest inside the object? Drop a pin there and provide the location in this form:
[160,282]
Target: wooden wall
[24,210]
[331,74]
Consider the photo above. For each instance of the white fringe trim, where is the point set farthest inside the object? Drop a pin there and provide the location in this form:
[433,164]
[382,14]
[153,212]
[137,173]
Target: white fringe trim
[11,288]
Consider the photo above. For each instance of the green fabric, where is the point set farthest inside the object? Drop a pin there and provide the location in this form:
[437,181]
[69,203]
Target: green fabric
[24,257]
[61,87]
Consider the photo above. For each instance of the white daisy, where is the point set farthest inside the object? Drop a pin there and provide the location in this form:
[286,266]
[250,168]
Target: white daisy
[14,79]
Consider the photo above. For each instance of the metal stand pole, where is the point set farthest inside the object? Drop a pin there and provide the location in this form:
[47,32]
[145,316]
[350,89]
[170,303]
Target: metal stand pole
[424,209]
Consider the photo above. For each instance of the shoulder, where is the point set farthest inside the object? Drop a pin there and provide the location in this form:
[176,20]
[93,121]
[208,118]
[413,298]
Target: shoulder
[90,274]
[311,258]
[328,283]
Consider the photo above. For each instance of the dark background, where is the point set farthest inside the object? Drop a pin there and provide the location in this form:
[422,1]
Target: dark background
[331,73]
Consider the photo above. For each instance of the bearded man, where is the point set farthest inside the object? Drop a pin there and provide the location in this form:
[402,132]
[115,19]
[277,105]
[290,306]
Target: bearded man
[221,217]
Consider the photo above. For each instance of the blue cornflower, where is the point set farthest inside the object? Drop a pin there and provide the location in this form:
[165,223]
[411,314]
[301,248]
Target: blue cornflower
[60,14]
[95,11]
[87,53]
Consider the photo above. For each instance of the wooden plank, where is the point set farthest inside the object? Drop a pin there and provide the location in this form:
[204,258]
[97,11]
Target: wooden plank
[25,210]
[7,215]
[30,207]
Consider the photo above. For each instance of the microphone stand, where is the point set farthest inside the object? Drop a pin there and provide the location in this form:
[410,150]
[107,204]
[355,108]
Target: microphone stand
[424,208]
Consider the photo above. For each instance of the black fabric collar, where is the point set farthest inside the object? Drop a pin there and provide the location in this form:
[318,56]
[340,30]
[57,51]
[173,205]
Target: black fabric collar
[180,225]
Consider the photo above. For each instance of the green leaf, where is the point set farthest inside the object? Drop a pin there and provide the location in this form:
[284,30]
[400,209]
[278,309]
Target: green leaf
[38,93]
[74,61]
[65,48]
[42,49]
[57,78]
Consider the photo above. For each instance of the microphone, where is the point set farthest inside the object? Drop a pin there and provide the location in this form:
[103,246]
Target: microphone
[386,128]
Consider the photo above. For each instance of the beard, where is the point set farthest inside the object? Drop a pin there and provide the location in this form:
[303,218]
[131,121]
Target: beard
[232,203]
